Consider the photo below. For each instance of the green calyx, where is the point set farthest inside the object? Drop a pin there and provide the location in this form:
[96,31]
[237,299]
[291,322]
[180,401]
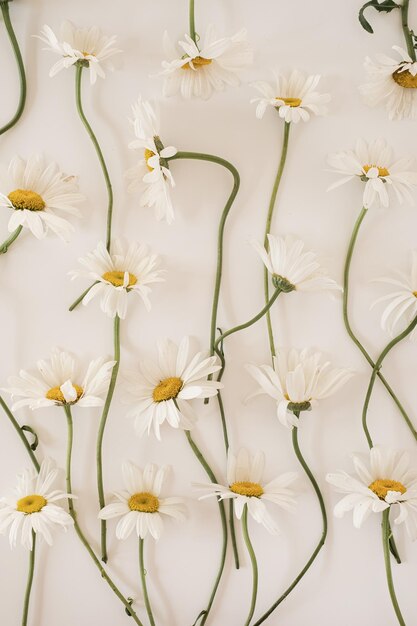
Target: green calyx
[297,407]
[282,283]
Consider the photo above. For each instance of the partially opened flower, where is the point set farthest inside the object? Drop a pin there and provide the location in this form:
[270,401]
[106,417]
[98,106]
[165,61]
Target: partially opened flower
[60,383]
[393,83]
[140,505]
[80,45]
[39,194]
[161,392]
[128,269]
[293,95]
[247,486]
[151,174]
[32,506]
[373,164]
[384,479]
[198,70]
[297,380]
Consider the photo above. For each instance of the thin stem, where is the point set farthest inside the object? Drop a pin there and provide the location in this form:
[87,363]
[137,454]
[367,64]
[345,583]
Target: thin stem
[386,532]
[192,21]
[407,32]
[6,244]
[22,76]
[81,297]
[20,432]
[29,580]
[254,564]
[100,435]
[143,575]
[270,214]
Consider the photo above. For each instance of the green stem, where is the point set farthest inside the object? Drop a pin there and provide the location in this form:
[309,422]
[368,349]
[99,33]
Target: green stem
[407,32]
[386,532]
[20,432]
[18,56]
[211,475]
[100,435]
[143,575]
[192,21]
[254,564]
[29,580]
[270,214]
[6,244]
[81,297]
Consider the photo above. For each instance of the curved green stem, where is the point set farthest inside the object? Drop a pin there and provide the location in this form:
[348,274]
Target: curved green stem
[6,244]
[270,214]
[100,435]
[254,564]
[192,21]
[32,554]
[143,575]
[4,6]
[81,297]
[406,30]
[20,432]
[386,532]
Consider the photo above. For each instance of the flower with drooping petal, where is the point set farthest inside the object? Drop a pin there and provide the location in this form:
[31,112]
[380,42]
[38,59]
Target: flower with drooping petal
[293,95]
[32,506]
[373,164]
[128,269]
[384,479]
[161,392]
[151,174]
[39,194]
[246,486]
[297,380]
[197,70]
[140,505]
[87,46]
[59,383]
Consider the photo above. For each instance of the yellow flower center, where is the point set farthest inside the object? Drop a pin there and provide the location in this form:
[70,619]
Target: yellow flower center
[197,63]
[56,394]
[148,154]
[246,488]
[405,79]
[167,389]
[415,294]
[116,278]
[144,502]
[31,504]
[290,102]
[382,171]
[381,486]
[25,199]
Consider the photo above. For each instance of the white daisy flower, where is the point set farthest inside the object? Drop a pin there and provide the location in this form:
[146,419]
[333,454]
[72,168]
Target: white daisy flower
[129,268]
[373,164]
[32,506]
[293,96]
[246,486]
[160,392]
[60,383]
[37,192]
[385,479]
[87,46]
[140,505]
[198,70]
[293,268]
[297,380]
[393,82]
[151,174]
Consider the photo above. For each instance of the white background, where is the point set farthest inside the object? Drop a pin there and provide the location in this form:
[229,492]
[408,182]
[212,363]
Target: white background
[347,584]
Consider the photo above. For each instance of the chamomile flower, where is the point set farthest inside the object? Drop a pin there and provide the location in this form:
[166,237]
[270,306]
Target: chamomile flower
[140,505]
[161,392]
[87,46]
[151,174]
[246,486]
[297,381]
[373,164]
[32,506]
[293,95]
[393,82]
[197,70]
[128,269]
[60,383]
[39,194]
[384,479]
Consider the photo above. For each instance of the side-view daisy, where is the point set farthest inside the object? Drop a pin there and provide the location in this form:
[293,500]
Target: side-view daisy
[38,193]
[160,392]
[384,479]
[85,45]
[293,95]
[297,380]
[128,269]
[197,70]
[373,164]
[32,508]
[246,486]
[59,383]
[140,505]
